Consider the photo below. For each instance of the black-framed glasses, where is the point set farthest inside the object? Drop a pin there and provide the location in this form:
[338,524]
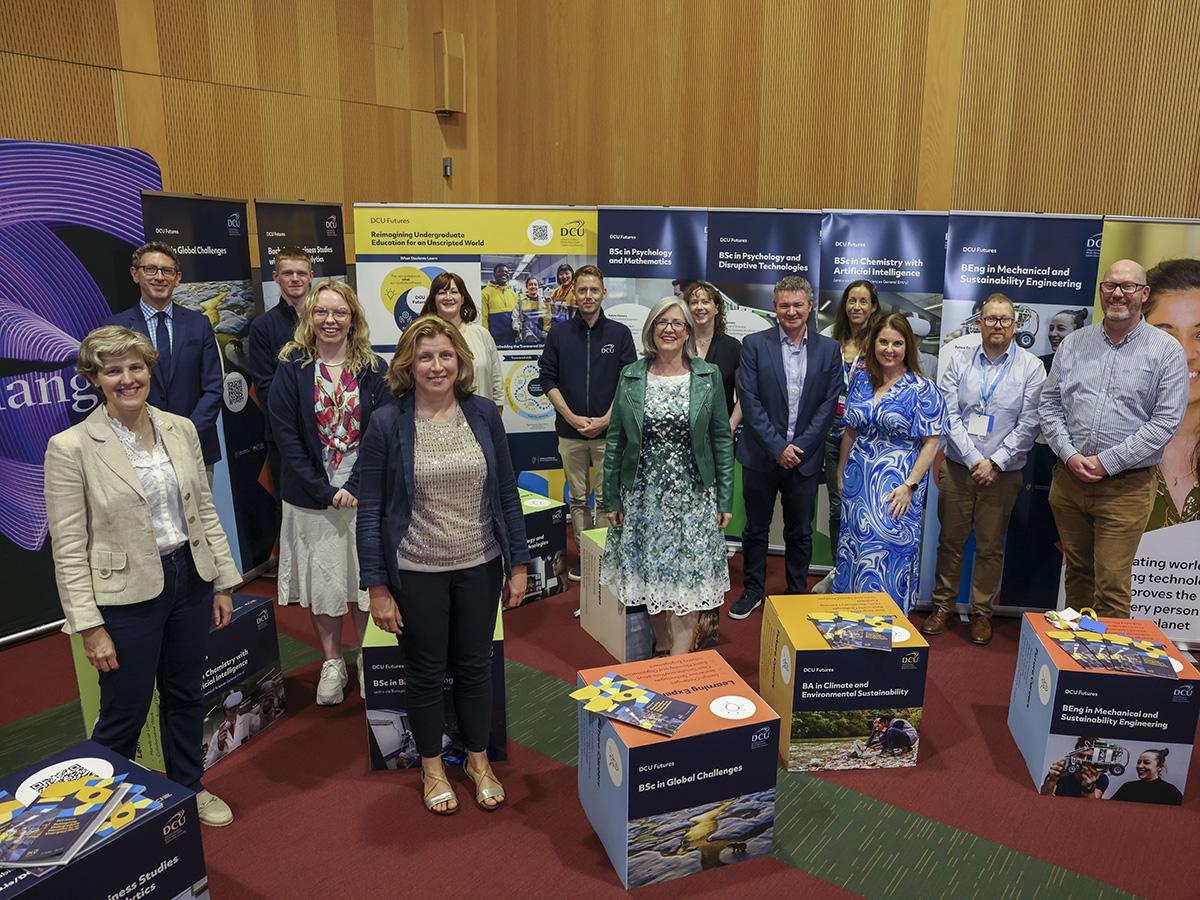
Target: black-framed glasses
[151,271]
[1125,287]
[1002,321]
[670,325]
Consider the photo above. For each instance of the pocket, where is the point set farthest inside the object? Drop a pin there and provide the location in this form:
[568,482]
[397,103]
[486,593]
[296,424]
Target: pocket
[109,573]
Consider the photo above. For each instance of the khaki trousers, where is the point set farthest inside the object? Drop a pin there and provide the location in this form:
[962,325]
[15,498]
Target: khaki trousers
[964,505]
[1100,526]
[583,468]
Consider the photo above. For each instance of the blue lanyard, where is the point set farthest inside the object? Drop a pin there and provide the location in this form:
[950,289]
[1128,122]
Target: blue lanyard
[986,391]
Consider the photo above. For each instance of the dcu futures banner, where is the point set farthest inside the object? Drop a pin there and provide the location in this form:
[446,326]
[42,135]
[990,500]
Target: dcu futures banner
[209,236]
[1047,266]
[317,227]
[1166,572]
[70,219]
[518,264]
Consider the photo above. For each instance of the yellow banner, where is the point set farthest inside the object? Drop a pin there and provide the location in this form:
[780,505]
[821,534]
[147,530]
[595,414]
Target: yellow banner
[447,230]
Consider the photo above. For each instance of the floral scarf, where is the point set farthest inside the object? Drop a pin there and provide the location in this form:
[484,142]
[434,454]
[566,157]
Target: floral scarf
[339,423]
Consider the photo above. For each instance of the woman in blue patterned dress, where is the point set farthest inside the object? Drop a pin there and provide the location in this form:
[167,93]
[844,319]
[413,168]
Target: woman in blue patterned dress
[668,484]
[894,416]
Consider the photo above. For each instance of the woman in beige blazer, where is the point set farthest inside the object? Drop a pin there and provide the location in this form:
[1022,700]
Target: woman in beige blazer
[138,549]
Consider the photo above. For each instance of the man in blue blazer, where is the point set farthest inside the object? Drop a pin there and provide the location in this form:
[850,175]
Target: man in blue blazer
[187,380]
[788,382]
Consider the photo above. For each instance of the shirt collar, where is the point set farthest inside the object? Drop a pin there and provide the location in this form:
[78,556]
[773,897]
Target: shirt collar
[979,354]
[786,341]
[1132,333]
[149,312]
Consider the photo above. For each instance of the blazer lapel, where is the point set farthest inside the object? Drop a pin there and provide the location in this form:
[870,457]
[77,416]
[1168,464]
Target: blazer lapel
[698,397]
[407,439]
[775,354]
[177,449]
[110,451]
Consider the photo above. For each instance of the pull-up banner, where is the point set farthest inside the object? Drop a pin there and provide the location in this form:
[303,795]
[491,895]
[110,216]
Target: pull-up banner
[518,264]
[1047,266]
[210,237]
[315,227]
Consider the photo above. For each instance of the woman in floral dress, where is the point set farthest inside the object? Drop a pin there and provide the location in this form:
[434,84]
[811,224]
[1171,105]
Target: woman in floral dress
[668,484]
[893,417]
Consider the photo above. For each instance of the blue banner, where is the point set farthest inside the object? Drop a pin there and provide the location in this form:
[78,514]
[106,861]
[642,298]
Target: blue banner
[898,251]
[654,243]
[750,250]
[317,227]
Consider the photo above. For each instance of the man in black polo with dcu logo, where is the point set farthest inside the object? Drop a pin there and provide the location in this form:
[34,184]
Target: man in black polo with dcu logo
[580,365]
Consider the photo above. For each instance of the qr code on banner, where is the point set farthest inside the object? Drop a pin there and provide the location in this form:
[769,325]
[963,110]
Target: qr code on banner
[236,392]
[539,232]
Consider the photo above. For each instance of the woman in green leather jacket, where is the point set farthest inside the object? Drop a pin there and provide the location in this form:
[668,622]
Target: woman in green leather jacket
[668,484]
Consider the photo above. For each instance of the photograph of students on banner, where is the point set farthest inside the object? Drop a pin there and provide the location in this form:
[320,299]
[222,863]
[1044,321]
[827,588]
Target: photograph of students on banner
[1174,307]
[1063,323]
[523,296]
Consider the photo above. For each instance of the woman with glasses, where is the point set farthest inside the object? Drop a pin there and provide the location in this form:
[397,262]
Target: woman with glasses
[668,484]
[328,383]
[450,299]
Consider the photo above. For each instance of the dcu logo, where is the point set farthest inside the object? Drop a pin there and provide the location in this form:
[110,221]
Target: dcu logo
[1092,247]
[234,222]
[177,821]
[761,738]
[331,224]
[573,229]
[263,618]
[1183,693]
[910,660]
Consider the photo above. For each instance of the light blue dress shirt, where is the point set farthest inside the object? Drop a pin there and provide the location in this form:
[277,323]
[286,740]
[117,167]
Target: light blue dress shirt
[795,368]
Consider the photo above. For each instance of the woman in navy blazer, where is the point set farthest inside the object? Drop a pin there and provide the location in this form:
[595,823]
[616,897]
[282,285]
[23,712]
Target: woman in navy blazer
[439,527]
[326,387]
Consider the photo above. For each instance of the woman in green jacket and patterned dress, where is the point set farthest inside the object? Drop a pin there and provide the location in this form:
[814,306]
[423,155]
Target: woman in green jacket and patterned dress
[668,484]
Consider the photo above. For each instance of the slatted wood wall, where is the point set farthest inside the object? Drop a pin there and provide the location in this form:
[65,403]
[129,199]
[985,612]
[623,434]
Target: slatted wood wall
[1057,105]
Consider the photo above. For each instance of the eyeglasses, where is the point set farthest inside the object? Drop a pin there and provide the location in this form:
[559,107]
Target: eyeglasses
[670,325]
[1126,287]
[340,315]
[1002,321]
[151,271]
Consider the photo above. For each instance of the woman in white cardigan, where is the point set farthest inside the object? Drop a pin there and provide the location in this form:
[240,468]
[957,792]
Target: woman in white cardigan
[450,299]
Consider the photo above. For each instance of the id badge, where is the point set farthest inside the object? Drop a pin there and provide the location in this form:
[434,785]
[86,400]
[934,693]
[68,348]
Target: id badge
[979,425]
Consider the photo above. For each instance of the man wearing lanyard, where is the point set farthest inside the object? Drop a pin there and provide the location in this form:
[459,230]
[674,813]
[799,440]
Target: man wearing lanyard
[992,393]
[1114,398]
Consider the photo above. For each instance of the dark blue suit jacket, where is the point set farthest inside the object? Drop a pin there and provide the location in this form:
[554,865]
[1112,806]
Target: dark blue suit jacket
[762,388]
[385,487]
[268,333]
[302,480]
[194,386]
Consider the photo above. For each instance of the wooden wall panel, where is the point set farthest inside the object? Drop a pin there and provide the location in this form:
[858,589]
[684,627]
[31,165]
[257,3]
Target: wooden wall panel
[78,31]
[55,101]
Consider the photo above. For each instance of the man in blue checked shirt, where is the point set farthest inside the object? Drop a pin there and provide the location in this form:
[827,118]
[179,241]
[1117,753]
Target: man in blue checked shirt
[1114,398]
[992,393]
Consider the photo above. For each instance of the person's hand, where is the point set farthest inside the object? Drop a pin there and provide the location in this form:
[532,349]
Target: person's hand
[101,652]
[723,519]
[1088,776]
[222,609]
[1079,466]
[384,611]
[983,472]
[1052,775]
[592,426]
[1096,466]
[899,500]
[343,499]
[790,457]
[841,481]
[514,588]
[616,519]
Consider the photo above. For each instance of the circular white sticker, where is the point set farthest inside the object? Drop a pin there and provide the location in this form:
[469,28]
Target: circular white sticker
[537,502]
[612,757]
[540,232]
[1044,684]
[236,392]
[732,706]
[67,770]
[900,634]
[785,664]
[416,299]
[1175,664]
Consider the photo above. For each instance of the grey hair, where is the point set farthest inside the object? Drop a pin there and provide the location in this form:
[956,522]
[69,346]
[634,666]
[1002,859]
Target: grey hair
[794,283]
[649,348]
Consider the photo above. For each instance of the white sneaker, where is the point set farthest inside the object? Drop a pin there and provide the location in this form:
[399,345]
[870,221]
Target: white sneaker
[362,676]
[213,811]
[825,585]
[333,680]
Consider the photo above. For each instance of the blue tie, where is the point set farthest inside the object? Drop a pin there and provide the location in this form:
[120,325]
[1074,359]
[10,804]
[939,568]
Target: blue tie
[162,337]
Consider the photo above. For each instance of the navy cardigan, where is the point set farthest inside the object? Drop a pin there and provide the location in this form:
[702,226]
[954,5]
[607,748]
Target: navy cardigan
[385,457]
[302,480]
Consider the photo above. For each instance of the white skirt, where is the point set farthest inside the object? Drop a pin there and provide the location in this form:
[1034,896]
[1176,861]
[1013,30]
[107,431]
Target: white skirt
[318,559]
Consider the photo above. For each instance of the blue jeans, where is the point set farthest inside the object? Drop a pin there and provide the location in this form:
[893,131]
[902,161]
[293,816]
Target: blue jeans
[163,639]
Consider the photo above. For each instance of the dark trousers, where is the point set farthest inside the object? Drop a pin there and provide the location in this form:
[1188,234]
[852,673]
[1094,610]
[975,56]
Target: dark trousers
[896,739]
[449,619]
[798,496]
[163,639]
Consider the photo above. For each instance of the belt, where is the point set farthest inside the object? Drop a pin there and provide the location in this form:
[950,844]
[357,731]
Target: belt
[1125,472]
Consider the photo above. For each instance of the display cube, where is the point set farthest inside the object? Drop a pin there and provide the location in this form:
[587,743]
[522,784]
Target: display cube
[389,738]
[241,659]
[843,709]
[546,537]
[1113,725]
[665,807]
[156,850]
[623,632]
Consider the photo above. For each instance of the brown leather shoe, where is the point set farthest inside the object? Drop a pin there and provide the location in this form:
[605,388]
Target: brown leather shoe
[938,621]
[981,630]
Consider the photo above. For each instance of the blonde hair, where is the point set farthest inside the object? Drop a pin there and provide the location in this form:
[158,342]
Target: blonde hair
[359,355]
[109,341]
[399,373]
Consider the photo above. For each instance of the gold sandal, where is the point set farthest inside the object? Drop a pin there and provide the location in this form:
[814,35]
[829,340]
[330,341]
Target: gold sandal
[484,794]
[445,796]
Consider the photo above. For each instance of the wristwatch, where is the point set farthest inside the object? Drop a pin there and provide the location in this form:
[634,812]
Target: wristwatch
[913,485]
